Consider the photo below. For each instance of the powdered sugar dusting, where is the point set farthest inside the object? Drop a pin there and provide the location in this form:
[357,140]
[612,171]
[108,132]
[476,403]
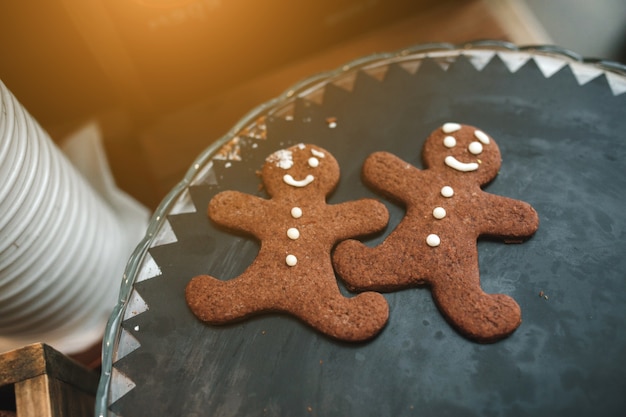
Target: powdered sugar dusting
[282,158]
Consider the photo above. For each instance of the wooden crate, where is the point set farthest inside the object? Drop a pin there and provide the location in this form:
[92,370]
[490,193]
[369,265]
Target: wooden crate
[47,383]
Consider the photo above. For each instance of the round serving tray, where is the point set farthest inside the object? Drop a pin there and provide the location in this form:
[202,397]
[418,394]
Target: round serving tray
[559,121]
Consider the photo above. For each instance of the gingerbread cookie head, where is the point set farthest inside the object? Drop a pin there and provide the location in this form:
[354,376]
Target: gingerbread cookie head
[307,169]
[457,148]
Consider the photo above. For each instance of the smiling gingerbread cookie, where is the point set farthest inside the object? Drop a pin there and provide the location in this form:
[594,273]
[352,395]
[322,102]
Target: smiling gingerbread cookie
[293,272]
[435,243]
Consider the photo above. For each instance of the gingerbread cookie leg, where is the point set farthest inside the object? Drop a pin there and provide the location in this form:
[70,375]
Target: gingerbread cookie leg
[482,317]
[353,319]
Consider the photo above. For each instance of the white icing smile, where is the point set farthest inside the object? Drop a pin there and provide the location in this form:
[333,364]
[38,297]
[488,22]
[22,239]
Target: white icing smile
[454,163]
[298,183]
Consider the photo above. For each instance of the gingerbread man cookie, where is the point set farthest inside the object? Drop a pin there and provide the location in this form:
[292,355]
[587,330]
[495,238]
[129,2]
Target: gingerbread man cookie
[293,272]
[435,243]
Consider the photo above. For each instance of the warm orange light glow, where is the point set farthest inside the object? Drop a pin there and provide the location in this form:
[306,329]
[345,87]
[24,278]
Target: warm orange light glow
[164,3]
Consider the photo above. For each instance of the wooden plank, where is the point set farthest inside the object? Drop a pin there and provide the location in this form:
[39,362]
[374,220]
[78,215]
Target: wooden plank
[20,364]
[38,359]
[32,397]
[67,400]
[62,368]
[43,396]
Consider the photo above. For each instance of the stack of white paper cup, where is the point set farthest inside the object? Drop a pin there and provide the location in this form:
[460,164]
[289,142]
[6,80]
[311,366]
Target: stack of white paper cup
[62,248]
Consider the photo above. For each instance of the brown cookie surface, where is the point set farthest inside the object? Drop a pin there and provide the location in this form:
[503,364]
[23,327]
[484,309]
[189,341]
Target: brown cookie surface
[435,243]
[292,272]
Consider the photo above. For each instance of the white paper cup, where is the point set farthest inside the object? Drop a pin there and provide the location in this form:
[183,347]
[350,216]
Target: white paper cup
[63,248]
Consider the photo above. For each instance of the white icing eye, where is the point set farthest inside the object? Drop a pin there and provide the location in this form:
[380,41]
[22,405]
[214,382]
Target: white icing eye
[481,136]
[475,147]
[449,142]
[451,127]
[317,153]
[313,162]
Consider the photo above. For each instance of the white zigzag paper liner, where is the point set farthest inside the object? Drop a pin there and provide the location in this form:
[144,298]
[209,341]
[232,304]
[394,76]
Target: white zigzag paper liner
[166,234]
[513,58]
[183,204]
[136,305]
[548,65]
[149,268]
[127,344]
[122,385]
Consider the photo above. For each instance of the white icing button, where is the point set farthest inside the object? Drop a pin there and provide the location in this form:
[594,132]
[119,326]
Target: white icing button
[475,147]
[433,240]
[439,213]
[314,162]
[451,127]
[291,260]
[447,191]
[296,212]
[293,233]
[449,142]
[481,136]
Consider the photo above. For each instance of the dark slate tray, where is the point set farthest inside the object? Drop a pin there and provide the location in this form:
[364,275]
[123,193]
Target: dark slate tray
[560,125]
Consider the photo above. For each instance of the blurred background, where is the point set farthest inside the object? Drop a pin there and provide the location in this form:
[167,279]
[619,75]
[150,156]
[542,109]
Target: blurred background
[163,79]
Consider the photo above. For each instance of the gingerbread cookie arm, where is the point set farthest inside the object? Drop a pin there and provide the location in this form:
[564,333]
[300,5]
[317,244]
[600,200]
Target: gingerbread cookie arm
[513,220]
[362,267]
[359,218]
[237,211]
[352,258]
[389,175]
